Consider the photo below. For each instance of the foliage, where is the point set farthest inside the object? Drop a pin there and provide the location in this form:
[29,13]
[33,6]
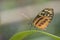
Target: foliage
[24,34]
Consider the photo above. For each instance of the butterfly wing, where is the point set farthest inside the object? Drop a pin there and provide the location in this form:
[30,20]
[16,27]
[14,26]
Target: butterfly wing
[42,20]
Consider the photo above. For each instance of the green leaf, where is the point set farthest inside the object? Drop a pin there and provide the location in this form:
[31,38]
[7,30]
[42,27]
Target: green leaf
[22,35]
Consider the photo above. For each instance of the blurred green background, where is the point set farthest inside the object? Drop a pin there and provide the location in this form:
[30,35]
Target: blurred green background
[17,15]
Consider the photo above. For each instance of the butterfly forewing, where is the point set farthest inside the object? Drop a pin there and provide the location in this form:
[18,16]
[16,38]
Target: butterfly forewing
[43,18]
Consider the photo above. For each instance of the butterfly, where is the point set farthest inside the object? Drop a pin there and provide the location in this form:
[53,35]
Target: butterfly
[43,18]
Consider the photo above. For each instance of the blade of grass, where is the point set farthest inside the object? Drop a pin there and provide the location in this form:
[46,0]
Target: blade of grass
[22,35]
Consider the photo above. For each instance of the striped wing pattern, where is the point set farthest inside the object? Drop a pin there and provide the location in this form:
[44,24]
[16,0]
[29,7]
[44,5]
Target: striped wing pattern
[43,18]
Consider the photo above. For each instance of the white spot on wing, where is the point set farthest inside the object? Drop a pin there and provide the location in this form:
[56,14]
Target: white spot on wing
[46,10]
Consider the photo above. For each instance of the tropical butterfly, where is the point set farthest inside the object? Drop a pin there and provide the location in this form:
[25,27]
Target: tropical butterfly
[43,18]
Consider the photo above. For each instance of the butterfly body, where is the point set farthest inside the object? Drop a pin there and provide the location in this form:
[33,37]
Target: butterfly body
[44,17]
